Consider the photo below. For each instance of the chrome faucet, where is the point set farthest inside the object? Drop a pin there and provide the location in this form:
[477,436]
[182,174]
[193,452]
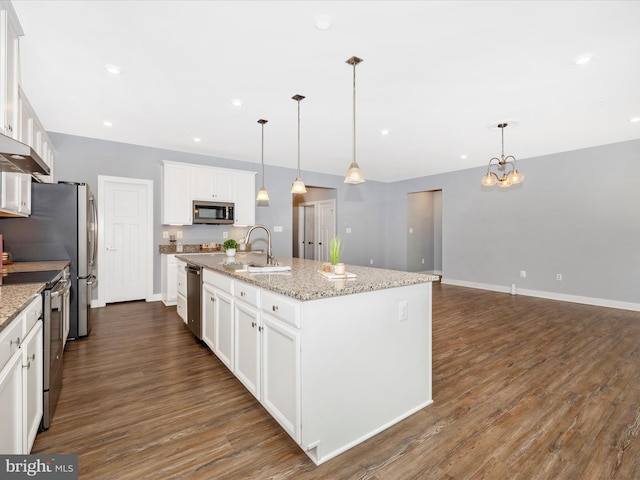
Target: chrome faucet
[270,259]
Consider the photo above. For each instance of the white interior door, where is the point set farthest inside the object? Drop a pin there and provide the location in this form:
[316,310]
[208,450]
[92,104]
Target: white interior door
[326,215]
[125,262]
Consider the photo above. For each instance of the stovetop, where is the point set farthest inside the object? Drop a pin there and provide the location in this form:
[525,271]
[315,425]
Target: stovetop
[50,277]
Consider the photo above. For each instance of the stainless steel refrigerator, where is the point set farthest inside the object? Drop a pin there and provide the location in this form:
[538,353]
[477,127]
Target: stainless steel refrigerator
[62,226]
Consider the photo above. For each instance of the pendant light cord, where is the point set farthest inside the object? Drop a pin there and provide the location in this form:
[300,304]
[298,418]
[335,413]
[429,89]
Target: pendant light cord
[298,138]
[354,112]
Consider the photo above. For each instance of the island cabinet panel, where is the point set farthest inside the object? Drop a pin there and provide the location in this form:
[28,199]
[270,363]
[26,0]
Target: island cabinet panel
[208,316]
[364,368]
[281,374]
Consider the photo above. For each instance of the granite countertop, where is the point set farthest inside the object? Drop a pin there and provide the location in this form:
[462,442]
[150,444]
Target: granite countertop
[304,282]
[35,266]
[14,298]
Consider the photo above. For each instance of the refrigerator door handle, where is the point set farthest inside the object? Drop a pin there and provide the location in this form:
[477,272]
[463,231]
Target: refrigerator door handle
[94,231]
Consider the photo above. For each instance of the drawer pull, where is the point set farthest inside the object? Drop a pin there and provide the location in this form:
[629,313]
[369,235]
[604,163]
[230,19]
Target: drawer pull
[253,324]
[242,294]
[274,308]
[16,341]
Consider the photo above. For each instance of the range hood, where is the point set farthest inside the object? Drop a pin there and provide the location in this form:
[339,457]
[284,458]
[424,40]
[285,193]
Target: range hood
[18,157]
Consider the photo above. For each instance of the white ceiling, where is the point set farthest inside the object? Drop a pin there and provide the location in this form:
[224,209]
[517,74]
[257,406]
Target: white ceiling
[435,74]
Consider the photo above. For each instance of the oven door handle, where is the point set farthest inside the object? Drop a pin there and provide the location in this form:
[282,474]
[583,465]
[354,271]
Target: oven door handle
[62,287]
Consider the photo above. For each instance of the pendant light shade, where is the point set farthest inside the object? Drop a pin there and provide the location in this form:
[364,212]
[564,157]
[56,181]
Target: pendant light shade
[263,196]
[354,174]
[298,184]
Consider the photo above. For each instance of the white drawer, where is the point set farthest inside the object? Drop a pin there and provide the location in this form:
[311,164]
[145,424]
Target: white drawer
[32,313]
[182,283]
[181,306]
[279,306]
[11,338]
[247,293]
[217,280]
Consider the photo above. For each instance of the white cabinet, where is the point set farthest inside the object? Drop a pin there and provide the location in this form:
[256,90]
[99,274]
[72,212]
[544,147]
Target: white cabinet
[32,371]
[176,194]
[184,182]
[10,31]
[245,198]
[248,344]
[181,289]
[21,381]
[169,274]
[217,316]
[15,193]
[212,184]
[31,132]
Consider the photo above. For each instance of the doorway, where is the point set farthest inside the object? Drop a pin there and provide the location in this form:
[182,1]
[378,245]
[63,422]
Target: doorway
[424,232]
[125,239]
[314,223]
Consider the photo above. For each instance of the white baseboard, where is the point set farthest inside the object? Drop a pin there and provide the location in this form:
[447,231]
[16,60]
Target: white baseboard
[156,297]
[599,302]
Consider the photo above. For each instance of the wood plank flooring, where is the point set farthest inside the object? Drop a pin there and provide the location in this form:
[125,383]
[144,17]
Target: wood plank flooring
[524,388]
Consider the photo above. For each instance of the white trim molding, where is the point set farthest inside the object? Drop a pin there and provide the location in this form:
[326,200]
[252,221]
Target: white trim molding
[598,302]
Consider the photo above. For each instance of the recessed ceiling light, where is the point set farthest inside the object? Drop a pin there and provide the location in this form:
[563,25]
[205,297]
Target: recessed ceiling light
[384,131]
[236,102]
[113,69]
[583,59]
[634,119]
[107,123]
[323,22]
[463,156]
[196,139]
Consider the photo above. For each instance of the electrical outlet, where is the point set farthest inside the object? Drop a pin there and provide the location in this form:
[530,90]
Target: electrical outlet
[559,277]
[523,274]
[410,229]
[423,261]
[225,234]
[403,310]
[179,234]
[371,262]
[348,230]
[165,234]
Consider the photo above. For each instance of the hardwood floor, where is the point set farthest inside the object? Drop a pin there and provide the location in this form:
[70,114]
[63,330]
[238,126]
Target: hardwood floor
[524,388]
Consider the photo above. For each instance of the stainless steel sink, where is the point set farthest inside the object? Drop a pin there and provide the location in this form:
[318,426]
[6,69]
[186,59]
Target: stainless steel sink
[264,268]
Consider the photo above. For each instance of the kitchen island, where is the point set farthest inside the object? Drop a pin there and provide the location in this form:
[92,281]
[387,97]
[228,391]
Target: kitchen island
[333,361]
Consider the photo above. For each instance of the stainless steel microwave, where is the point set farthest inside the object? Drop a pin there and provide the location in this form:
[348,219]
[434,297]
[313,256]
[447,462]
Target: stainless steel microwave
[213,213]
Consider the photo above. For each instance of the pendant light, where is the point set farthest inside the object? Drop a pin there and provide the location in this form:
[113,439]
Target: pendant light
[298,184]
[506,179]
[263,196]
[354,174]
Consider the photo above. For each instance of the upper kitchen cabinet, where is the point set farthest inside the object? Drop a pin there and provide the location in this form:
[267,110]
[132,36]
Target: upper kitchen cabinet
[176,194]
[184,182]
[212,184]
[31,132]
[10,31]
[245,194]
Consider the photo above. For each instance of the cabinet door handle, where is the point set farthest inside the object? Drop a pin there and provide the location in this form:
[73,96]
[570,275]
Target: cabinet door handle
[260,328]
[274,308]
[242,294]
[212,299]
[253,324]
[16,341]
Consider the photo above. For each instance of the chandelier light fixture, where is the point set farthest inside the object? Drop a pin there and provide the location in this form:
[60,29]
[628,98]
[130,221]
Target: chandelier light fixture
[354,174]
[506,173]
[263,196]
[298,184]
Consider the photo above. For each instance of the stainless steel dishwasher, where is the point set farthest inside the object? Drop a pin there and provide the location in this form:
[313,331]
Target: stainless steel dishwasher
[194,305]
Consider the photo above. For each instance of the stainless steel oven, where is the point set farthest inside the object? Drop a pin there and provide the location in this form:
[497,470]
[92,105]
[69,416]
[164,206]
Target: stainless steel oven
[56,318]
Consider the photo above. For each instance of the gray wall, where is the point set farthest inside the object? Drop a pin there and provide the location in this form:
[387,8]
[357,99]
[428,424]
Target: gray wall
[577,213]
[424,231]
